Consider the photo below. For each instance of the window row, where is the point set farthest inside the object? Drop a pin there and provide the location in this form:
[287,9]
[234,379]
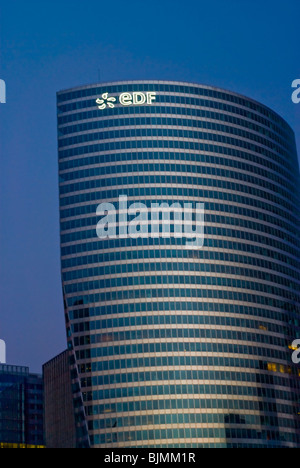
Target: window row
[168,390]
[173,267]
[165,180]
[210,234]
[268,437]
[183,144]
[236,159]
[184,306]
[178,319]
[158,121]
[115,338]
[265,422]
[207,254]
[178,375]
[262,368]
[170,293]
[117,256]
[182,404]
[115,267]
[102,171]
[83,210]
[180,281]
[175,179]
[146,226]
[169,132]
[136,193]
[239,350]
[284,199]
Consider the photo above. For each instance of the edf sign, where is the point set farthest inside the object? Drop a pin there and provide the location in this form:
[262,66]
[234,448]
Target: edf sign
[126,99]
[134,99]
[2,92]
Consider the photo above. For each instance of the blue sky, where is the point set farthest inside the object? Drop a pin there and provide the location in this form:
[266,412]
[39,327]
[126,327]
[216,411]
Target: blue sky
[251,47]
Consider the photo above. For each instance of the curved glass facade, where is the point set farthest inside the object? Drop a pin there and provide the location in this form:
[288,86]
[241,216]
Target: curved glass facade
[175,346]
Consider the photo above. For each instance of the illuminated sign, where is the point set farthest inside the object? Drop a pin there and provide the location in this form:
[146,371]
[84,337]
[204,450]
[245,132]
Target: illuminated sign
[126,99]
[105,101]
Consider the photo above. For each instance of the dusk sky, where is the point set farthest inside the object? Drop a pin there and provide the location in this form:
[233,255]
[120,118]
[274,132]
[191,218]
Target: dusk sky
[247,46]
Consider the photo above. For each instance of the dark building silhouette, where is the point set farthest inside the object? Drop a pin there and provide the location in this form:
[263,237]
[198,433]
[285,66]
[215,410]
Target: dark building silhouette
[59,414]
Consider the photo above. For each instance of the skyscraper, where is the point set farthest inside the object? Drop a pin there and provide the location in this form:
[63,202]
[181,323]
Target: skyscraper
[175,343]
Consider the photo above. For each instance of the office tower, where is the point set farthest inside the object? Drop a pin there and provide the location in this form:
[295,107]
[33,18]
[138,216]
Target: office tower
[21,408]
[175,343]
[58,404]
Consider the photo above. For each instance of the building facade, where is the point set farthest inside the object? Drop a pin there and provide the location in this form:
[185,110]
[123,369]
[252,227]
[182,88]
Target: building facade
[174,343]
[21,408]
[58,403]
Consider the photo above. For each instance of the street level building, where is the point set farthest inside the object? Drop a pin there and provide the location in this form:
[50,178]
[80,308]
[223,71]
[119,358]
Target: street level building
[21,408]
[58,403]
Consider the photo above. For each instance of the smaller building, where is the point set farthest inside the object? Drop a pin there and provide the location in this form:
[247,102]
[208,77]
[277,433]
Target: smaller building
[59,414]
[21,408]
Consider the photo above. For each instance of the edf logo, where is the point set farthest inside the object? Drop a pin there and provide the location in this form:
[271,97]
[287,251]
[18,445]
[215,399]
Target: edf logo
[2,92]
